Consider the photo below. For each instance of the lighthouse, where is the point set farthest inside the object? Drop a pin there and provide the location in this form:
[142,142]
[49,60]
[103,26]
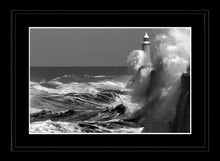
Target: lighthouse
[146,48]
[146,44]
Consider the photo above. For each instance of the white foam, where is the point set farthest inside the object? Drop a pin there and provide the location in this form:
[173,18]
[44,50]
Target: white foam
[31,83]
[109,84]
[131,105]
[96,76]
[68,88]
[100,76]
[66,127]
[53,127]
[64,76]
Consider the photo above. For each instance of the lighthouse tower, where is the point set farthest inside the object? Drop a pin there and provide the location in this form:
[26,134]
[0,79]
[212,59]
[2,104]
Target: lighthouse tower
[146,44]
[146,48]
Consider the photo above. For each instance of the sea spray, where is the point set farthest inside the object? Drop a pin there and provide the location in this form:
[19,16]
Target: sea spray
[141,64]
[159,86]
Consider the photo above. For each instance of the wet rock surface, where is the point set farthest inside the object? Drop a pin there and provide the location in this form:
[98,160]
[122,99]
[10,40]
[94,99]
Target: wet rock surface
[182,120]
[121,109]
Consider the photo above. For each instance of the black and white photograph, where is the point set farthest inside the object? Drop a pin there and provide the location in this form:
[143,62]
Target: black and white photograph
[110,80]
[90,80]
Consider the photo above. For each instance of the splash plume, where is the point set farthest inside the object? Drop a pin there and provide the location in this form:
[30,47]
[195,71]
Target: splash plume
[141,64]
[136,59]
[158,87]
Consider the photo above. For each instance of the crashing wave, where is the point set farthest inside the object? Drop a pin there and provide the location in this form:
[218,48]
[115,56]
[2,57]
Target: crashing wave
[81,127]
[66,88]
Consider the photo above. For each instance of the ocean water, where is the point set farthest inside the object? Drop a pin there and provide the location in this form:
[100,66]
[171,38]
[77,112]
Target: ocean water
[81,100]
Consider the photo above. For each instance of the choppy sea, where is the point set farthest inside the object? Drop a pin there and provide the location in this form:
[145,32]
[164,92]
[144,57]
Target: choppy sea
[80,100]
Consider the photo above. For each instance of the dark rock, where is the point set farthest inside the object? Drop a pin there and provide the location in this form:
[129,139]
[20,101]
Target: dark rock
[120,109]
[182,120]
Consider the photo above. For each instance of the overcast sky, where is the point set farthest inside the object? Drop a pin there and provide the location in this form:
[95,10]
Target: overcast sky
[84,47]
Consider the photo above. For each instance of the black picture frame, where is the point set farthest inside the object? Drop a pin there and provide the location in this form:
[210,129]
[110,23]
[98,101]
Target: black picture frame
[21,20]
